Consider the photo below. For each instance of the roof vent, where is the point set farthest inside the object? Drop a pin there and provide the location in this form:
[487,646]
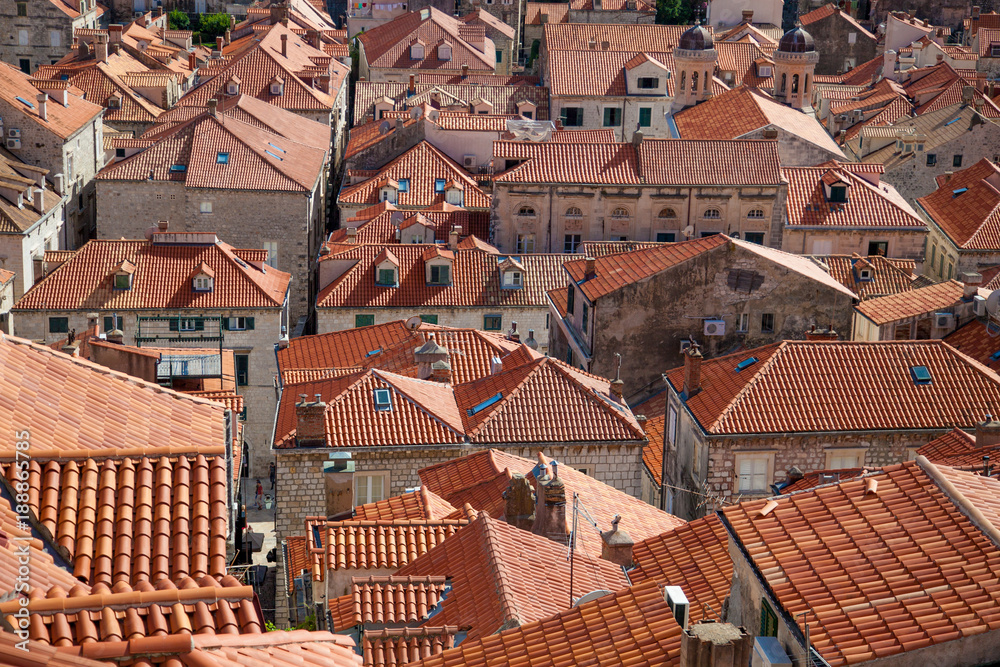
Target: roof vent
[492,400]
[746,363]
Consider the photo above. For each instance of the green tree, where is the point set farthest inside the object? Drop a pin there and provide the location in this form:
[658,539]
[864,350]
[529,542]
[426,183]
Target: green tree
[179,20]
[213,25]
[673,12]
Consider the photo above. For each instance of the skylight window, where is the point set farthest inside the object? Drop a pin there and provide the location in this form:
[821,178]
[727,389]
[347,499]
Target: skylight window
[960,191]
[953,120]
[181,168]
[372,353]
[746,363]
[222,158]
[383,399]
[276,157]
[24,102]
[439,185]
[277,148]
[920,374]
[492,400]
[995,356]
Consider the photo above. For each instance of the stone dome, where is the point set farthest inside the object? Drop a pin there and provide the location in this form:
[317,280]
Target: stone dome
[796,40]
[696,38]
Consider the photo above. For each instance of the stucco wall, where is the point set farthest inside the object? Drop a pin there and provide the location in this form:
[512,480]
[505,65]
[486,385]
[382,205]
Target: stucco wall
[907,244]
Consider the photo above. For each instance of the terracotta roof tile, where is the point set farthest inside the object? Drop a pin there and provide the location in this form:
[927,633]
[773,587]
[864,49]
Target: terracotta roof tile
[654,409]
[633,626]
[420,504]
[815,478]
[504,576]
[871,559]
[375,545]
[15,653]
[978,341]
[381,229]
[555,12]
[887,276]
[841,386]
[694,556]
[503,93]
[63,121]
[958,449]
[388,45]
[406,645]
[297,559]
[920,301]
[48,569]
[967,207]
[389,601]
[830,9]
[635,38]
[162,279]
[598,73]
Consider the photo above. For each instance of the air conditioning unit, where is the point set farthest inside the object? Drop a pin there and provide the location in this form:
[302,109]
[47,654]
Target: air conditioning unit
[944,320]
[715,328]
[14,133]
[678,603]
[979,306]
[469,161]
[858,113]
[685,344]
[842,118]
[768,652]
[14,144]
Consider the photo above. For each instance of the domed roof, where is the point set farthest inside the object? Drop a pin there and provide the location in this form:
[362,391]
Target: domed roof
[696,38]
[796,40]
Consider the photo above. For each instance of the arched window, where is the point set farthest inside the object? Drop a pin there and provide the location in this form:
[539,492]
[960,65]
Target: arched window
[795,83]
[620,213]
[806,88]
[526,211]
[683,79]
[668,213]
[694,82]
[707,80]
[783,81]
[574,212]
[755,214]
[711,214]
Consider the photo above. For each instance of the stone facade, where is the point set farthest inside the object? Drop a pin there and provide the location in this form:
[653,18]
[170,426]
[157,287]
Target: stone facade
[258,345]
[655,213]
[646,321]
[23,252]
[945,260]
[293,222]
[840,44]
[39,32]
[903,244]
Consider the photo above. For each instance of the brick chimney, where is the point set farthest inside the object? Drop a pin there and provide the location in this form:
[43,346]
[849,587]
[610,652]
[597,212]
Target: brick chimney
[465,71]
[692,370]
[441,372]
[617,545]
[618,389]
[213,108]
[550,505]
[310,416]
[427,355]
[352,234]
[192,61]
[590,268]
[453,237]
[101,48]
[43,105]
[115,33]
[987,432]
[748,16]
[284,45]
[970,284]
[709,643]
[411,89]
[821,334]
[519,502]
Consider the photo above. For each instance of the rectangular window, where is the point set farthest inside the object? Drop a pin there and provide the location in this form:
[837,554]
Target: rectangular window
[238,324]
[222,158]
[612,117]
[123,281]
[25,65]
[956,161]
[571,242]
[666,237]
[429,319]
[645,116]
[768,620]
[648,82]
[880,248]
[767,323]
[22,9]
[272,253]
[370,487]
[744,323]
[386,276]
[22,37]
[499,56]
[440,274]
[572,117]
[439,184]
[672,425]
[55,38]
[931,159]
[110,323]
[754,237]
[570,299]
[119,152]
[242,370]
[492,322]
[585,317]
[838,459]
[58,325]
[404,185]
[525,243]
[206,207]
[363,320]
[754,472]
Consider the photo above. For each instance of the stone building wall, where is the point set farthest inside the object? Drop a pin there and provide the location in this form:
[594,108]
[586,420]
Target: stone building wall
[905,244]
[47,31]
[837,52]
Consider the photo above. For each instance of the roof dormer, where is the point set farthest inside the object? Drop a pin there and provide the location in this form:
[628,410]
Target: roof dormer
[386,269]
[454,193]
[438,264]
[511,273]
[123,275]
[203,279]
[233,85]
[835,187]
[277,85]
[444,50]
[416,229]
[115,101]
[482,106]
[527,109]
[417,50]
[388,190]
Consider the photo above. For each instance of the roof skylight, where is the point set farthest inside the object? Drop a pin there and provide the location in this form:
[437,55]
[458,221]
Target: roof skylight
[383,399]
[492,400]
[25,102]
[920,374]
[746,363]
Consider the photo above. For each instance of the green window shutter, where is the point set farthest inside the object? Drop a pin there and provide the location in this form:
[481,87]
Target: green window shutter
[109,323]
[645,117]
[249,322]
[199,324]
[429,319]
[225,324]
[768,620]
[364,320]
[175,324]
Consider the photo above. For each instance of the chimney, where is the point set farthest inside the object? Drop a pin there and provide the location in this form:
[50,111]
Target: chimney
[312,38]
[793,475]
[618,390]
[889,64]
[43,105]
[58,181]
[411,90]
[637,138]
[220,41]
[519,503]
[590,270]
[975,12]
[441,372]
[213,107]
[310,427]
[530,340]
[948,175]
[970,282]
[692,370]
[968,92]
[821,334]
[710,643]
[748,16]
[465,71]
[115,33]
[229,36]
[427,355]
[161,226]
[453,237]
[192,61]
[550,505]
[617,545]
[116,335]
[352,234]
[101,48]
[84,50]
[987,432]
[40,199]
[284,44]
[939,58]
[496,365]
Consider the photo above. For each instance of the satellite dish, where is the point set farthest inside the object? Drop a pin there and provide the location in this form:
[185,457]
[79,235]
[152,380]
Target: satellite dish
[592,595]
[384,127]
[992,302]
[688,231]
[416,112]
[413,322]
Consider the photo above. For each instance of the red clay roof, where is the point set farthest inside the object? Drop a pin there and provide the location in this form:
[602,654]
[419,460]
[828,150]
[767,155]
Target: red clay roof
[830,9]
[887,276]
[916,302]
[970,219]
[62,121]
[815,478]
[47,570]
[388,45]
[633,626]
[420,504]
[654,410]
[476,279]
[162,280]
[405,645]
[694,556]
[76,410]
[376,545]
[381,228]
[297,560]
[636,38]
[976,340]
[840,386]
[14,653]
[885,564]
[388,600]
[504,576]
[959,450]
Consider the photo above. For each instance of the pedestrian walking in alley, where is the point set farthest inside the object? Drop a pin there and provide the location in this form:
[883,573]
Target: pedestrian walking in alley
[272,473]
[259,500]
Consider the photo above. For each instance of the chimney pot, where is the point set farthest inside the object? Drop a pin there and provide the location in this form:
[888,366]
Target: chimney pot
[213,107]
[162,225]
[284,45]
[616,545]
[590,270]
[43,107]
[453,237]
[310,428]
[220,41]
[692,370]
[465,71]
[192,61]
[748,16]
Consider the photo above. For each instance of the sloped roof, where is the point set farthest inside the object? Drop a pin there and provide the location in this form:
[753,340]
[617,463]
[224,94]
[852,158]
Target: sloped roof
[162,279]
[598,73]
[504,93]
[958,449]
[556,12]
[840,386]
[388,600]
[419,504]
[913,303]
[504,577]
[636,38]
[831,9]
[381,229]
[375,545]
[976,340]
[970,218]
[888,276]
[388,45]
[743,110]
[476,279]
[888,545]
[17,177]
[63,121]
